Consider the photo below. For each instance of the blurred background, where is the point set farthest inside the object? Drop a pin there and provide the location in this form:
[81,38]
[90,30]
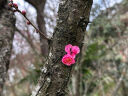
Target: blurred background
[103,68]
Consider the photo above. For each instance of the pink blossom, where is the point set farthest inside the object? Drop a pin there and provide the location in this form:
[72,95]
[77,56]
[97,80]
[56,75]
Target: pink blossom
[68,48]
[68,60]
[75,50]
[23,12]
[73,55]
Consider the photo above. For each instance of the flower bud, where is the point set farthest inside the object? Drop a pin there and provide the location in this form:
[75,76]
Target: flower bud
[23,12]
[15,5]
[28,22]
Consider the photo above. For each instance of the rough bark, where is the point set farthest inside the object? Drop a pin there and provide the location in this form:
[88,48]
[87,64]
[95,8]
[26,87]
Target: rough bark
[39,5]
[7,26]
[70,29]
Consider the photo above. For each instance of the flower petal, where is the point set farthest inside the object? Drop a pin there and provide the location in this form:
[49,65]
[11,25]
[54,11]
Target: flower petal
[68,48]
[68,60]
[75,50]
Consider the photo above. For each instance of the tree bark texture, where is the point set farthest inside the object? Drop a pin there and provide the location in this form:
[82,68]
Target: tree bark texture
[73,17]
[39,5]
[7,28]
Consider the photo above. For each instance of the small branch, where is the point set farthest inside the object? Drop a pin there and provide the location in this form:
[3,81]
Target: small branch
[119,82]
[15,9]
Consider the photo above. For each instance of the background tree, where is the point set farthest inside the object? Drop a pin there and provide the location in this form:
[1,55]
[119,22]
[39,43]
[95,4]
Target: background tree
[39,5]
[105,63]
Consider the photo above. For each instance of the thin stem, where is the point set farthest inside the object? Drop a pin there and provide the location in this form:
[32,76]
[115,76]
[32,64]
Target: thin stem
[38,31]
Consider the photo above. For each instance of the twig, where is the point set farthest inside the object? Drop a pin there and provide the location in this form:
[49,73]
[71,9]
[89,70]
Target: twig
[15,6]
[119,82]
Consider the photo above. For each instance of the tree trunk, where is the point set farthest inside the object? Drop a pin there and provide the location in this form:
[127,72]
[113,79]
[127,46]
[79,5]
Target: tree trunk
[70,29]
[39,5]
[7,28]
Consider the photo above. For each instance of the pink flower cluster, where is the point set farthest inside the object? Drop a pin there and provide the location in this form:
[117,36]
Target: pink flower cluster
[69,58]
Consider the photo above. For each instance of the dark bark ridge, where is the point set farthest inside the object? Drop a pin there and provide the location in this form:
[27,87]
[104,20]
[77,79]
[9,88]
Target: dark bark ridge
[7,27]
[71,24]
